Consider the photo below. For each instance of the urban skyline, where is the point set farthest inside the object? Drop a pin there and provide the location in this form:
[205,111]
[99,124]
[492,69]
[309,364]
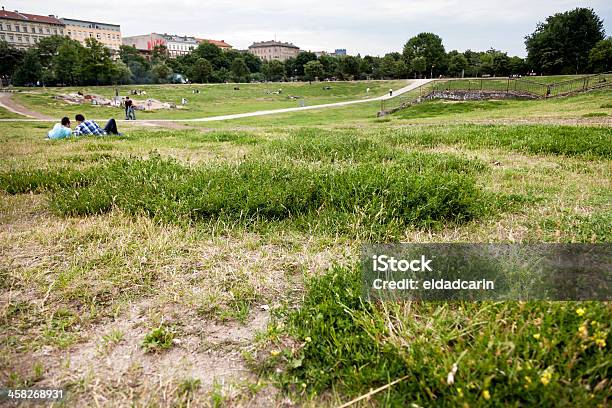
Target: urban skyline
[375,29]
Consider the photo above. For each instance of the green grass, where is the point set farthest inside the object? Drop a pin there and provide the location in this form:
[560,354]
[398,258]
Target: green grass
[541,353]
[194,228]
[158,339]
[6,114]
[436,108]
[370,199]
[213,99]
[589,142]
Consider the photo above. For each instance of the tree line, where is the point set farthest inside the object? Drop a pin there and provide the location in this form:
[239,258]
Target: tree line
[572,42]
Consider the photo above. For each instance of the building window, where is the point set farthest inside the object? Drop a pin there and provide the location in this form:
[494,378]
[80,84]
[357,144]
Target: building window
[17,28]
[2,37]
[55,31]
[11,38]
[32,29]
[47,30]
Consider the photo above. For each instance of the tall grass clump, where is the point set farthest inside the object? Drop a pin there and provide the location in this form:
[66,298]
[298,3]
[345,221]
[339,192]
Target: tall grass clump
[505,353]
[589,142]
[39,180]
[370,198]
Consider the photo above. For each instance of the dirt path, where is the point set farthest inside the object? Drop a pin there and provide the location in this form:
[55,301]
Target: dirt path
[7,102]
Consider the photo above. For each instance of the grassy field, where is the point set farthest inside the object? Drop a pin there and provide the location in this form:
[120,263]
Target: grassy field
[213,99]
[6,114]
[215,264]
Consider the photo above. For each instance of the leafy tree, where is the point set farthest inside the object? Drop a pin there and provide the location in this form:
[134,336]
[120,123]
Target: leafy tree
[387,67]
[457,64]
[273,70]
[329,64]
[239,70]
[200,71]
[252,61]
[159,55]
[562,44]
[67,63]
[428,46]
[418,65]
[121,73]
[313,69]
[161,72]
[348,67]
[517,65]
[212,54]
[302,59]
[600,56]
[30,70]
[10,59]
[96,64]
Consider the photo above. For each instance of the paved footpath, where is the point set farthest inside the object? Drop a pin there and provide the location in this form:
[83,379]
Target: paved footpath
[7,103]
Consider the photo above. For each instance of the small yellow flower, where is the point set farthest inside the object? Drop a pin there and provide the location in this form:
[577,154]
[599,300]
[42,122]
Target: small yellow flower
[274,352]
[601,343]
[580,311]
[460,392]
[546,377]
[486,395]
[528,379]
[536,336]
[583,331]
[308,339]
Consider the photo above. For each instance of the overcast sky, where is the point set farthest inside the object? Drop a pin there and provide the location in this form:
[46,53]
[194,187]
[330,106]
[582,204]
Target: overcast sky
[372,27]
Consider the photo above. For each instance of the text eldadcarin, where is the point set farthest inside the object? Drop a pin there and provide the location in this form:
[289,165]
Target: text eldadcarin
[389,267]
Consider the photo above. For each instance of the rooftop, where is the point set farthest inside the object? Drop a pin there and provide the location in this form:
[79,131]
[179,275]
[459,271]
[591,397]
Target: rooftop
[218,43]
[74,20]
[178,38]
[33,18]
[272,43]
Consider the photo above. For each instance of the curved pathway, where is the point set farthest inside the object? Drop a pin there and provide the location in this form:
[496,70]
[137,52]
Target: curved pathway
[7,103]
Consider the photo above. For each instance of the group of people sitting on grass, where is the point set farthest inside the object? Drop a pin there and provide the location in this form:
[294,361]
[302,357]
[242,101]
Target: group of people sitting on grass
[83,127]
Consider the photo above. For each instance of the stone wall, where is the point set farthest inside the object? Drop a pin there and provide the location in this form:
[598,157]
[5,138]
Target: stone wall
[478,95]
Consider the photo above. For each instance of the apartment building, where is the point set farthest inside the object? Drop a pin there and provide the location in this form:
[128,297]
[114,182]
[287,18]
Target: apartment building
[175,44]
[23,30]
[274,50]
[107,34]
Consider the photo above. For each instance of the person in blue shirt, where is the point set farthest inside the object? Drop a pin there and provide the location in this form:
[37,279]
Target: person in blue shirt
[90,127]
[60,130]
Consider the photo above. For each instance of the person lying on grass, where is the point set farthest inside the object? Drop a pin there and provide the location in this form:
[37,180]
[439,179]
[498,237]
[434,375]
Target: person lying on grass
[89,127]
[60,130]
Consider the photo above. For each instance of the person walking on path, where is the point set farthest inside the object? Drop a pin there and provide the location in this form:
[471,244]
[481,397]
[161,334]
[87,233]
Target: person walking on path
[129,109]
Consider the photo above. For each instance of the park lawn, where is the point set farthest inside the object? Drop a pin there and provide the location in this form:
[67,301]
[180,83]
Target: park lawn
[7,114]
[591,108]
[107,250]
[213,99]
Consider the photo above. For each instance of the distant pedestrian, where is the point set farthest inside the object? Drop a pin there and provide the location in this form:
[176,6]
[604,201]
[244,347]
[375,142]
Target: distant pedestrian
[390,92]
[129,109]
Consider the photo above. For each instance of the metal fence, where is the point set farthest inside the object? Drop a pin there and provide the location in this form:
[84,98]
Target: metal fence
[515,86]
